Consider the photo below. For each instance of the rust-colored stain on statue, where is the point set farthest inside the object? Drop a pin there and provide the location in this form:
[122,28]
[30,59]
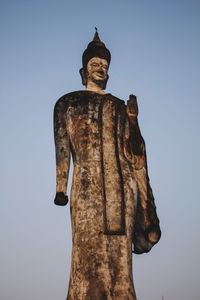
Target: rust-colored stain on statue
[111,201]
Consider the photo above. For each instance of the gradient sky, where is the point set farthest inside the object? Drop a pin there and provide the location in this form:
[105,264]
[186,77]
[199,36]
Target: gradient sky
[155,48]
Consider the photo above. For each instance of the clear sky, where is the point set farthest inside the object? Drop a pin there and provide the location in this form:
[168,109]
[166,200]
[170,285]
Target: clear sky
[155,48]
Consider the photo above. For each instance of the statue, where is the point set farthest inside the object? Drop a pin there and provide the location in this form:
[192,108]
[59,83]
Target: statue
[111,202]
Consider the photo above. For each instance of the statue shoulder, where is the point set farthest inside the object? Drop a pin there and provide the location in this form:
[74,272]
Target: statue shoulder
[116,99]
[68,98]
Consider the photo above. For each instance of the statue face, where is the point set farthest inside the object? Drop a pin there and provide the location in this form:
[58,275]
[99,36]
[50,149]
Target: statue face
[97,69]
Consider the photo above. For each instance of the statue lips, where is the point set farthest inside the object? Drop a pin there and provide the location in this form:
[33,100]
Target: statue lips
[100,74]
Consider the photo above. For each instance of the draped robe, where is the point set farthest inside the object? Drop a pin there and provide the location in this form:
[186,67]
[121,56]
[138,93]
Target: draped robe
[112,206]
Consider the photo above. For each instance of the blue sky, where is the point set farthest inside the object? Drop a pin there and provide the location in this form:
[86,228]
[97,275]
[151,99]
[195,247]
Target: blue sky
[155,48]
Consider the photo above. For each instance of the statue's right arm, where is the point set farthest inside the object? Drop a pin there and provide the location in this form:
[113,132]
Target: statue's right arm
[62,149]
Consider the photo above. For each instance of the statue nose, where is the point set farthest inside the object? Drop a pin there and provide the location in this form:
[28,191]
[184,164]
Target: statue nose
[101,69]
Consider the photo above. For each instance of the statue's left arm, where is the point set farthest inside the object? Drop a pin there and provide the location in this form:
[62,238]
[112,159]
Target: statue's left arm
[146,224]
[62,147]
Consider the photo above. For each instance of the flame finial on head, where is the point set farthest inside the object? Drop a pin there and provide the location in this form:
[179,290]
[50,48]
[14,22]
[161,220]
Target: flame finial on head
[96,37]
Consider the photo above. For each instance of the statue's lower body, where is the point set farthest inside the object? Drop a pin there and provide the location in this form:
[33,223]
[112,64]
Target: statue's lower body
[104,275]
[101,267]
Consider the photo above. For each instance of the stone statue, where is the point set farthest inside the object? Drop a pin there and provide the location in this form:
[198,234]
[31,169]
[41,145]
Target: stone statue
[111,201]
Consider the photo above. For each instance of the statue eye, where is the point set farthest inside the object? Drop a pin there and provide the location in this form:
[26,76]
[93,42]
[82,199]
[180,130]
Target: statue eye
[95,64]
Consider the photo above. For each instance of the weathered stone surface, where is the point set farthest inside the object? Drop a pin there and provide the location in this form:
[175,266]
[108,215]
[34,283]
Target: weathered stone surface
[111,201]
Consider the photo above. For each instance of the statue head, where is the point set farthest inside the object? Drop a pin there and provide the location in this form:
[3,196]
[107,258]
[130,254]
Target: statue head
[96,59]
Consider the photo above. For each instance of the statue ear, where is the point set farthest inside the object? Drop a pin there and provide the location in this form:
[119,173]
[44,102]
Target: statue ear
[105,82]
[83,77]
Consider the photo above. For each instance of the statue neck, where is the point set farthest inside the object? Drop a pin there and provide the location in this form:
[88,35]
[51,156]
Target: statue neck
[94,87]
